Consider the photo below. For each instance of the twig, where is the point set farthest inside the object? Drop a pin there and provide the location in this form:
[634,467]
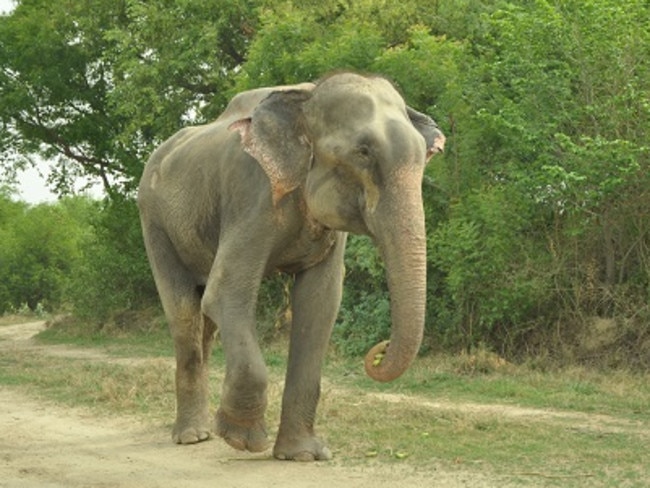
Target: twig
[553,476]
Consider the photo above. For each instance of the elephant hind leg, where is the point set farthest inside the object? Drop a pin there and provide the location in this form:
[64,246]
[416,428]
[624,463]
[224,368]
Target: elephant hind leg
[193,336]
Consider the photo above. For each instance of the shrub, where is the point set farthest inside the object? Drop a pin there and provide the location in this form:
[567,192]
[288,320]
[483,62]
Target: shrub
[38,250]
[364,318]
[113,274]
[496,282]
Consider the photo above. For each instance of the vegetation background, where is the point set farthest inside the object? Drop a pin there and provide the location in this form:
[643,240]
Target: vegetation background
[537,214]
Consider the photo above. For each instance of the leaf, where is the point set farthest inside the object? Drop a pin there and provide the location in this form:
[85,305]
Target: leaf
[379,357]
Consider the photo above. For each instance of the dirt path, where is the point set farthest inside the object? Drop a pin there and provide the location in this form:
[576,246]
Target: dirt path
[45,445]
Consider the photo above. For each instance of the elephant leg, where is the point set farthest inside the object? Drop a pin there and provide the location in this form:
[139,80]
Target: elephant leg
[230,300]
[193,337]
[316,298]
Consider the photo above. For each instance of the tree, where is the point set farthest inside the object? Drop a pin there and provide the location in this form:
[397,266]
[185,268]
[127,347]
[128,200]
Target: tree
[39,249]
[93,85]
[537,213]
[53,86]
[558,122]
[112,274]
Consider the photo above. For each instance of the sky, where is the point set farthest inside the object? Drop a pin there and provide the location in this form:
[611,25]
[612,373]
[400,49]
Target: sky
[32,187]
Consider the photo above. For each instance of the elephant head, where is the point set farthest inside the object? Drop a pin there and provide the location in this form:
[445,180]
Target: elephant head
[358,153]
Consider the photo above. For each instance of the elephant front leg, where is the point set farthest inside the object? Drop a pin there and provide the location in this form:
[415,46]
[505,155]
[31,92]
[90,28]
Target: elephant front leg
[230,298]
[316,299]
[240,418]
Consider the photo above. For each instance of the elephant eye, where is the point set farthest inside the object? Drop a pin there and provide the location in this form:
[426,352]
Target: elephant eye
[364,150]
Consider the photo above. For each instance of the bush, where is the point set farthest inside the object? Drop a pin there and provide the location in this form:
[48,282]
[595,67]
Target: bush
[496,283]
[113,274]
[364,318]
[38,250]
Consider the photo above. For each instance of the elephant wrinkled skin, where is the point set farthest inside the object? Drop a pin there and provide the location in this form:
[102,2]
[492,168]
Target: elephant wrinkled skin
[276,183]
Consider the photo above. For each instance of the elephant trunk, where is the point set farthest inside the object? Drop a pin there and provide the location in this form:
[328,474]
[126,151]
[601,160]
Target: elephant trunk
[403,249]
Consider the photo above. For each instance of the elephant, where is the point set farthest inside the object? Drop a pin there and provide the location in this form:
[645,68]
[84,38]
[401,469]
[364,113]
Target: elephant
[276,183]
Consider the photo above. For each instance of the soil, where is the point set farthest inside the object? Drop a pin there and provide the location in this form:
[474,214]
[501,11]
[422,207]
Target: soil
[46,445]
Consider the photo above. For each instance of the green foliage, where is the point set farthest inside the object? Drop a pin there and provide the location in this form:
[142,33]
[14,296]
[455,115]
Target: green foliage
[163,81]
[537,214]
[560,126]
[365,311]
[495,284]
[306,46]
[95,84]
[114,274]
[78,253]
[53,85]
[38,250]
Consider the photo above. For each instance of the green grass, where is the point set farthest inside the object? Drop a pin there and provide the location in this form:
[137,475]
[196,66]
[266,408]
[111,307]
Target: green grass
[444,412]
[617,393]
[150,340]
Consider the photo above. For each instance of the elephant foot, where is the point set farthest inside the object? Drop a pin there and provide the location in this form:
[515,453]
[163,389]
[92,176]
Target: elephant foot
[249,435]
[187,433]
[306,449]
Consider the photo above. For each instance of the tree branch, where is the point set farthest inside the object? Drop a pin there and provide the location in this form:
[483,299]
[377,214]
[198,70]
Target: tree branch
[92,165]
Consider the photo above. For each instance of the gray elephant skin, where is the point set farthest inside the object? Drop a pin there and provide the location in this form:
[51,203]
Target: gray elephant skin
[276,183]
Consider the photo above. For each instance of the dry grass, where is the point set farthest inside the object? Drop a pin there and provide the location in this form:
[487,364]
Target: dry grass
[564,427]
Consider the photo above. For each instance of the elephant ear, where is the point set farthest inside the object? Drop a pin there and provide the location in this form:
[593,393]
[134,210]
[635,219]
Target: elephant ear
[275,135]
[429,129]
